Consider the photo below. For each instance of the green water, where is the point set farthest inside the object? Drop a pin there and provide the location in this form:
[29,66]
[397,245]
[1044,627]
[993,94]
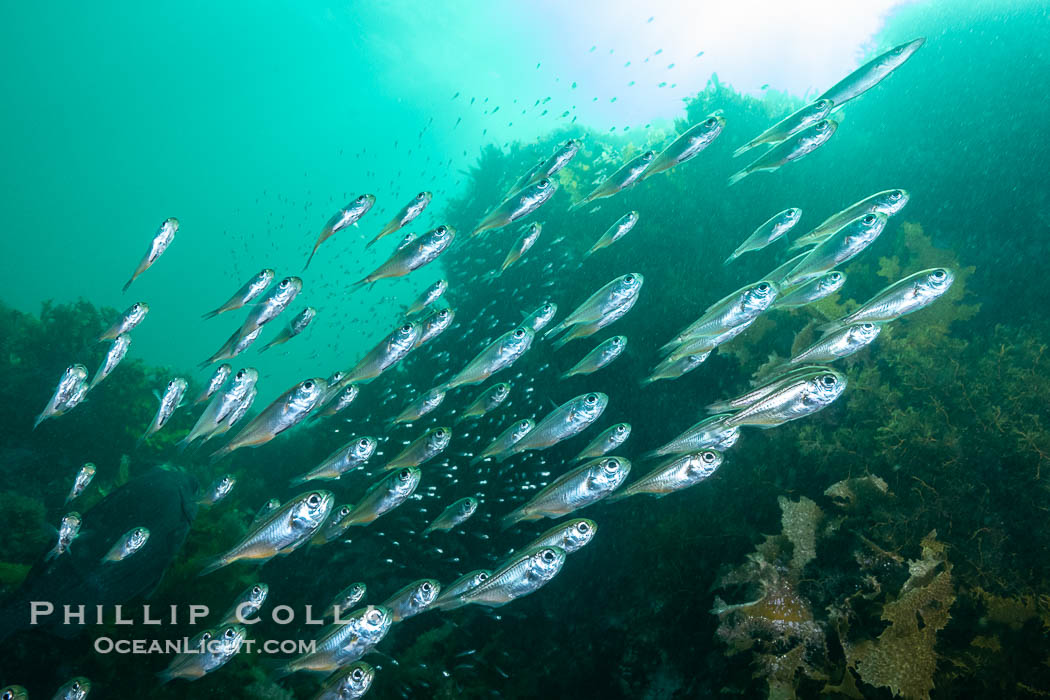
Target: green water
[892,543]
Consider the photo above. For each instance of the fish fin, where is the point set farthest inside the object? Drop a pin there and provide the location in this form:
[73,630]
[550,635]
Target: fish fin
[164,676]
[613,498]
[737,177]
[39,419]
[214,564]
[219,454]
[127,285]
[266,347]
[561,342]
[743,149]
[310,259]
[731,258]
[825,328]
[508,521]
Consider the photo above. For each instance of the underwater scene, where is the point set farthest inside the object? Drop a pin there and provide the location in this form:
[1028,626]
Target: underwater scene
[549,350]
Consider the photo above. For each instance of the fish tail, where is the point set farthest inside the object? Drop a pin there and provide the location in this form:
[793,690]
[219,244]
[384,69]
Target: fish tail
[562,341]
[554,331]
[743,149]
[510,520]
[210,314]
[626,493]
[127,285]
[830,325]
[164,676]
[718,407]
[730,259]
[220,453]
[39,419]
[214,565]
[737,177]
[266,347]
[297,481]
[310,259]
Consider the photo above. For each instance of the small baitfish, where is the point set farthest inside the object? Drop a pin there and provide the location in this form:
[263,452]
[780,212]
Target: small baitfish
[424,448]
[774,228]
[674,474]
[130,542]
[569,536]
[390,350]
[223,405]
[412,255]
[161,240]
[843,245]
[542,316]
[449,599]
[710,433]
[815,289]
[247,605]
[548,167]
[345,642]
[838,343]
[607,441]
[131,317]
[687,146]
[604,301]
[578,488]
[208,651]
[80,482]
[498,355]
[348,683]
[791,124]
[620,180]
[270,306]
[347,458]
[73,689]
[567,420]
[287,410]
[871,73]
[346,599]
[219,489]
[914,292]
[218,378]
[455,514]
[68,529]
[501,446]
[518,205]
[433,325]
[889,202]
[282,532]
[519,576]
[170,400]
[529,235]
[387,493]
[298,324]
[347,216]
[419,407]
[114,355]
[488,400]
[248,291]
[792,400]
[404,217]
[615,232]
[794,147]
[412,599]
[599,357]
[428,297]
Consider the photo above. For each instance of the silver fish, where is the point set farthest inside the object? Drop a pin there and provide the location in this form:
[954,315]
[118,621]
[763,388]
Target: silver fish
[871,73]
[424,448]
[615,232]
[607,441]
[454,515]
[801,397]
[208,651]
[569,536]
[529,235]
[585,330]
[334,527]
[238,342]
[340,401]
[501,446]
[68,529]
[687,146]
[412,599]
[390,350]
[519,576]
[599,357]
[607,299]
[347,216]
[677,365]
[796,121]
[620,180]
[792,148]
[434,325]
[235,390]
[914,292]
[286,411]
[170,400]
[299,324]
[428,297]
[266,510]
[282,532]
[348,683]
[346,599]
[130,542]
[567,420]
[748,398]
[219,489]
[740,306]
[843,245]
[80,482]
[114,355]
[354,454]
[404,217]
[345,641]
[488,400]
[577,488]
[14,692]
[221,374]
[710,433]
[128,320]
[498,355]
[414,255]
[677,473]
[520,204]
[270,306]
[838,343]
[421,406]
[449,599]
[247,605]
[889,202]
[161,240]
[771,230]
[815,289]
[542,316]
[546,168]
[74,689]
[387,493]
[248,291]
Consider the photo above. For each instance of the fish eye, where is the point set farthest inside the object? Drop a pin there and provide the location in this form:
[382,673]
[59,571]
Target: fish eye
[406,328]
[313,499]
[443,313]
[357,674]
[869,219]
[230,633]
[440,432]
[621,428]
[835,276]
[426,587]
[548,555]
[648,155]
[344,511]
[629,279]
[828,380]
[8,695]
[374,617]
[708,457]
[523,425]
[308,385]
[543,184]
[256,590]
[896,194]
[284,283]
[763,287]
[483,577]
[867,326]
[363,443]
[591,399]
[583,527]
[610,465]
[938,274]
[441,230]
[710,121]
[519,333]
[404,475]
[822,125]
[421,195]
